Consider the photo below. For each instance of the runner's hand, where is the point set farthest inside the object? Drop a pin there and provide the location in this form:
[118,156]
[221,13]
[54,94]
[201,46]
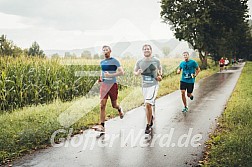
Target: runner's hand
[99,80]
[159,78]
[106,74]
[194,75]
[139,71]
[178,71]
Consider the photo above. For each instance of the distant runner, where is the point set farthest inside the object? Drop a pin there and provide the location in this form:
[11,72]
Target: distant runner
[221,63]
[226,63]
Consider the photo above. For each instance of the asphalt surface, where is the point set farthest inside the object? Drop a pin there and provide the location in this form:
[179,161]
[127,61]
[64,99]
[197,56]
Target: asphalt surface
[177,139]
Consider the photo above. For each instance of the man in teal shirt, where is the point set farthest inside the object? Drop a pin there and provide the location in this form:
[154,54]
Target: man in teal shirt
[190,69]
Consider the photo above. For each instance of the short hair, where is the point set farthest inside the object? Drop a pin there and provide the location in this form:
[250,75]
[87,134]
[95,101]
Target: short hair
[105,46]
[186,53]
[145,45]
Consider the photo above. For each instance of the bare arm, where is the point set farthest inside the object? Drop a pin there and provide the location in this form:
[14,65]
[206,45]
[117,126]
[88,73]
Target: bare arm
[160,71]
[179,70]
[159,74]
[197,71]
[137,71]
[100,78]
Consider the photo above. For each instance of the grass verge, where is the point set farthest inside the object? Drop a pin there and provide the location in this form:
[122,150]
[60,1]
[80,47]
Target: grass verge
[230,144]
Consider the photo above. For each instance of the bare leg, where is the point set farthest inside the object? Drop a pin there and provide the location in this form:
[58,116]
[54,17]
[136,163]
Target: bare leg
[119,108]
[183,97]
[102,110]
[148,112]
[189,94]
[115,105]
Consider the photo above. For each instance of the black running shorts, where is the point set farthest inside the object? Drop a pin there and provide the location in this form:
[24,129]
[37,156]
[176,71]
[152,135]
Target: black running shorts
[186,86]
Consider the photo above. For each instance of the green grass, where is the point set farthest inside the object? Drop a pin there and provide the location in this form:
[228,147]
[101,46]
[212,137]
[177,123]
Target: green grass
[230,144]
[25,130]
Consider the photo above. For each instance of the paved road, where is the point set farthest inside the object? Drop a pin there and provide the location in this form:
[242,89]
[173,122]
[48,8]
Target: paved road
[177,139]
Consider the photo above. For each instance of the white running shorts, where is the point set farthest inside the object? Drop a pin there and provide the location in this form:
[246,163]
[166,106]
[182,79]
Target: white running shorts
[150,94]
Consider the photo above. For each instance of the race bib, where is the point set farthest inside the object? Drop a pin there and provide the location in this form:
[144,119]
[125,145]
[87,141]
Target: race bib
[107,79]
[148,79]
[187,76]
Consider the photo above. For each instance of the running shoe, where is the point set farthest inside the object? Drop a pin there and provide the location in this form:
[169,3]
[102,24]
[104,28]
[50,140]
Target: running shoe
[191,97]
[121,113]
[148,129]
[185,109]
[99,128]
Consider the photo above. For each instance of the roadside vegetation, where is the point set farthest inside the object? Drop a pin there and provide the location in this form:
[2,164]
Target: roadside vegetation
[230,144]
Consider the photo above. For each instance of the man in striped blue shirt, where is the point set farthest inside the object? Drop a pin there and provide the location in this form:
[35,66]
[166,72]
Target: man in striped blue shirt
[111,68]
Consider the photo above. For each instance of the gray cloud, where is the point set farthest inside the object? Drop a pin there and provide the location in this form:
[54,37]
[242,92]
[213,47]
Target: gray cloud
[80,23]
[79,14]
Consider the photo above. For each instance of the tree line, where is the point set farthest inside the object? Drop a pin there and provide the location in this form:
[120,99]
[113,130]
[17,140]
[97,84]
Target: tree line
[8,48]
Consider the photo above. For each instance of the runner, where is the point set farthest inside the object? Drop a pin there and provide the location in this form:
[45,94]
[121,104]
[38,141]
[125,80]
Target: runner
[111,68]
[221,63]
[150,69]
[226,63]
[190,69]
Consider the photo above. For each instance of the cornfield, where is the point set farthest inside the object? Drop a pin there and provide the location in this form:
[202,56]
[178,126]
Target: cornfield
[32,81]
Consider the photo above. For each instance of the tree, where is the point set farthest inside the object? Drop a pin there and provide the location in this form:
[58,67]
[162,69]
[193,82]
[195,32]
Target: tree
[96,56]
[227,27]
[249,42]
[210,26]
[35,50]
[55,56]
[70,55]
[7,48]
[189,20]
[166,51]
[86,54]
[244,47]
[67,55]
[101,56]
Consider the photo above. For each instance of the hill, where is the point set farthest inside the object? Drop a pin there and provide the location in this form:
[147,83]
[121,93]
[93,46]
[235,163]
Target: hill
[172,47]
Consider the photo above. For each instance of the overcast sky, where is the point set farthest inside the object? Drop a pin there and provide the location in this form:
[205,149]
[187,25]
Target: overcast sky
[73,24]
